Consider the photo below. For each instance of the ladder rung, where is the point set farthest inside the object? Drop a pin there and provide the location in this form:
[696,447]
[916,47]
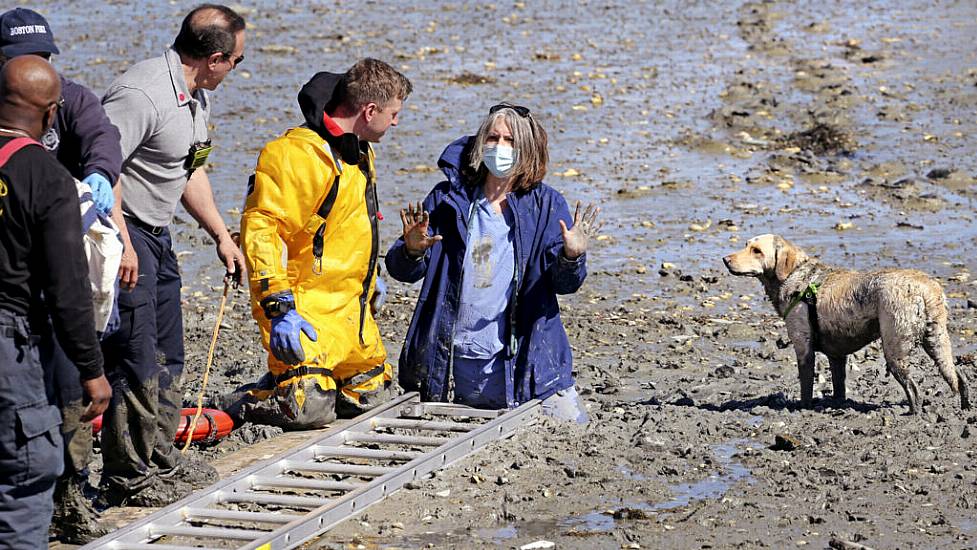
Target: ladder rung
[147,546]
[358,452]
[267,498]
[206,532]
[423,424]
[300,483]
[397,439]
[258,517]
[447,409]
[339,468]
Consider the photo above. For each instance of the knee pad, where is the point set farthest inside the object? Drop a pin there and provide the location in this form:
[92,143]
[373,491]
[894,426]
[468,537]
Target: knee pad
[308,401]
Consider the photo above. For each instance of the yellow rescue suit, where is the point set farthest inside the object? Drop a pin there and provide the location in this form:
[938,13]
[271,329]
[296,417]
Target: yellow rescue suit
[310,226]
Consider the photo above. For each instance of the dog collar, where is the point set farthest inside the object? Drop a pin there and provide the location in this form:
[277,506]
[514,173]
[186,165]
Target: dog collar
[809,295]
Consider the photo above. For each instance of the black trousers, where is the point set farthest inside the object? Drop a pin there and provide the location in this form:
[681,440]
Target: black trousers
[144,363]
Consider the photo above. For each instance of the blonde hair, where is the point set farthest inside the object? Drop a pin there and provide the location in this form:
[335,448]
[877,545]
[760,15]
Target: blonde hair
[373,81]
[528,140]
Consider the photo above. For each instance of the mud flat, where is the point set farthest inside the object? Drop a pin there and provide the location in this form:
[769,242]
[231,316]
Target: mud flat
[847,128]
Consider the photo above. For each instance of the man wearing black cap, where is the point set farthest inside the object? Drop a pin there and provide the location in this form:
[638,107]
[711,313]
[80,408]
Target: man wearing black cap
[40,252]
[82,137]
[87,145]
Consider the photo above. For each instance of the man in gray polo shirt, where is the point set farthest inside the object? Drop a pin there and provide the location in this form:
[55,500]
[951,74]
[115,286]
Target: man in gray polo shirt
[162,108]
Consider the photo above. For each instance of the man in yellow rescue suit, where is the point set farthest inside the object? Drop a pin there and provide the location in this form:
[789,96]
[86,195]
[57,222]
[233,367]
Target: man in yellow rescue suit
[310,238]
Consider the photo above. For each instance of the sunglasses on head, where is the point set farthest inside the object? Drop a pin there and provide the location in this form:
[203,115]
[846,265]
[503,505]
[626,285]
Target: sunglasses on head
[519,109]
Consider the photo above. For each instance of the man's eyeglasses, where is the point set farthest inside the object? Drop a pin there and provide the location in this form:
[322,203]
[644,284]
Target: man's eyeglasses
[234,61]
[59,103]
[519,109]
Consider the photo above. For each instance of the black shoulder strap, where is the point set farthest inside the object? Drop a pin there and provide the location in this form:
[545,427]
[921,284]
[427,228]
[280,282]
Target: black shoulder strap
[250,185]
[330,200]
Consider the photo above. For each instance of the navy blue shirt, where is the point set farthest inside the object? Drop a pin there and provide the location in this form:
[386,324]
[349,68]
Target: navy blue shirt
[83,138]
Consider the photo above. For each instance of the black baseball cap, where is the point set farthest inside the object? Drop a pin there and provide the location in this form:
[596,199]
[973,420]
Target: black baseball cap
[24,31]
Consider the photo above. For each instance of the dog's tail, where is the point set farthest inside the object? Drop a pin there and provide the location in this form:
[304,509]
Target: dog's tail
[936,341]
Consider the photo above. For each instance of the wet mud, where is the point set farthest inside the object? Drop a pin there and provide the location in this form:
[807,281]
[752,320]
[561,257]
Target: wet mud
[846,127]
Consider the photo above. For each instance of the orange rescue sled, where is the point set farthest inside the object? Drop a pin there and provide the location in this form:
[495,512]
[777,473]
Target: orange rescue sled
[211,426]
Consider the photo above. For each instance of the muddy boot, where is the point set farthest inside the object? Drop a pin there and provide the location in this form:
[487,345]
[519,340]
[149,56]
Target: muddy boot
[235,403]
[193,471]
[161,492]
[107,498]
[75,521]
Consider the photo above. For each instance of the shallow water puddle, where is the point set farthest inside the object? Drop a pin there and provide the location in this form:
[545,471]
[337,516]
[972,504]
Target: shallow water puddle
[716,485]
[712,487]
[629,473]
[498,534]
[594,522]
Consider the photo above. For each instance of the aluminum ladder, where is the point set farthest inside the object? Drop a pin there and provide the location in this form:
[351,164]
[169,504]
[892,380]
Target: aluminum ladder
[303,492]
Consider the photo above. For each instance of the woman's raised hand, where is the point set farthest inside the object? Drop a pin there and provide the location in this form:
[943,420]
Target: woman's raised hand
[416,239]
[585,225]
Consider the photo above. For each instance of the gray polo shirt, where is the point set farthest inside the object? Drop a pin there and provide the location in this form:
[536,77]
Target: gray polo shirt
[159,119]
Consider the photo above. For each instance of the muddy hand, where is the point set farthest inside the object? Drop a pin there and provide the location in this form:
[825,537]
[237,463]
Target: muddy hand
[234,278]
[416,222]
[585,226]
[98,392]
[230,255]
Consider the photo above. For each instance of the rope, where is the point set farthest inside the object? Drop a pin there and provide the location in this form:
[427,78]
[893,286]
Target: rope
[210,360]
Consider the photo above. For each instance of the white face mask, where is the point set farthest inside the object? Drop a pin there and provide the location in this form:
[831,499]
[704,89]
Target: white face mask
[499,159]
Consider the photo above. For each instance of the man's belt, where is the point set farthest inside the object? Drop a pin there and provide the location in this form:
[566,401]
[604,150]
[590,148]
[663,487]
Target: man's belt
[151,229]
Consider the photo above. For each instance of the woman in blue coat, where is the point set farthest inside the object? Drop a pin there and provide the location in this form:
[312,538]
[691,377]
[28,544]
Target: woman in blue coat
[494,246]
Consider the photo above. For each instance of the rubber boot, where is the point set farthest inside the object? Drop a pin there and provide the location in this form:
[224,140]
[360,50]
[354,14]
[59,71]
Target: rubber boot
[75,521]
[161,492]
[194,471]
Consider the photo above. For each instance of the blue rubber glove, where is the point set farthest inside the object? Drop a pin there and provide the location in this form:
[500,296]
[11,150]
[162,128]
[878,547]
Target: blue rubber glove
[286,340]
[379,296]
[101,192]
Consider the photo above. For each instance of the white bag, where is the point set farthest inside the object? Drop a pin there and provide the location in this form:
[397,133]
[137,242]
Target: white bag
[103,248]
[104,251]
